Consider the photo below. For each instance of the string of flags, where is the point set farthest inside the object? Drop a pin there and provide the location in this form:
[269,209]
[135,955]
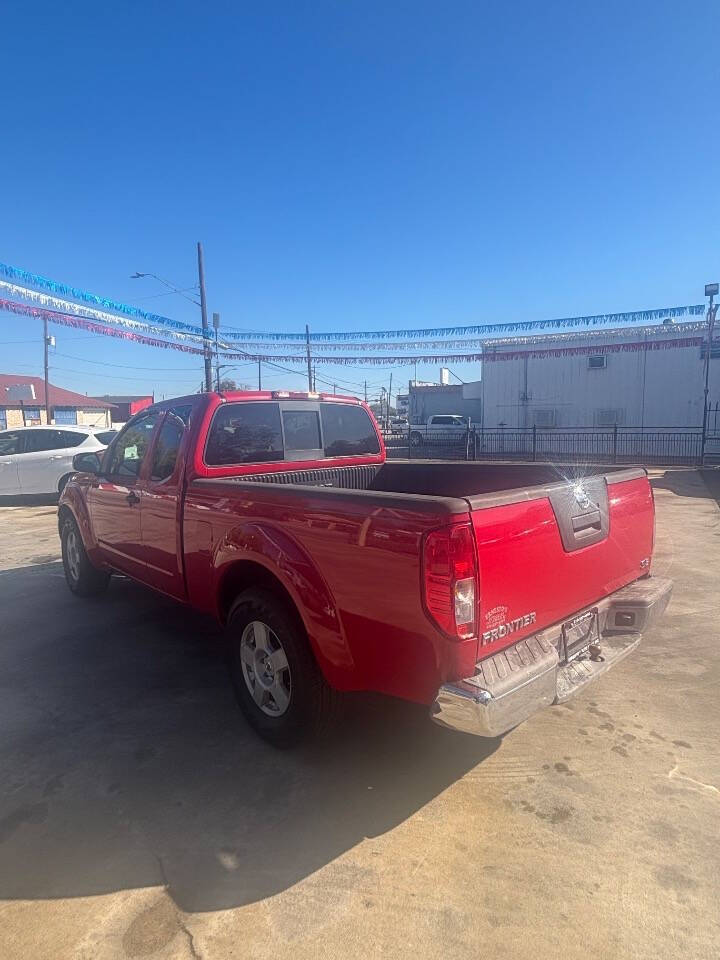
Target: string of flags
[56,302]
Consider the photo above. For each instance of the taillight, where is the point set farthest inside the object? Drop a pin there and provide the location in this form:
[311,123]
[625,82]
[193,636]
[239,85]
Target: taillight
[450,579]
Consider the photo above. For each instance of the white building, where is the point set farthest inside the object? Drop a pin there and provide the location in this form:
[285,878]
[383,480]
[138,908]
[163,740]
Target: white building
[650,388]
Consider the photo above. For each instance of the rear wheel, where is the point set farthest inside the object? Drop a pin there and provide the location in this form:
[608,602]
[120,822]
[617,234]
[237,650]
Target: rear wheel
[82,577]
[277,681]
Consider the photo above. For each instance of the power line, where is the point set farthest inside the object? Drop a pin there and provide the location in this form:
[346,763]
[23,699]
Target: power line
[117,376]
[131,366]
[166,293]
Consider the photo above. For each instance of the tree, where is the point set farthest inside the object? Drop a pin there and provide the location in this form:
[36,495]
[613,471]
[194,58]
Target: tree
[227,385]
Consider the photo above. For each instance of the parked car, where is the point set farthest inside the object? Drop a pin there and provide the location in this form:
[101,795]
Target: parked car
[439,428]
[398,426]
[486,591]
[38,460]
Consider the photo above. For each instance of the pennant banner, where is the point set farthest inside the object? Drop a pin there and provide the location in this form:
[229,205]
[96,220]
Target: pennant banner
[479,342]
[67,306]
[64,290]
[488,355]
[598,319]
[68,320]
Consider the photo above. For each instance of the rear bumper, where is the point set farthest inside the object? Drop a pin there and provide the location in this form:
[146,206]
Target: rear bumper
[510,686]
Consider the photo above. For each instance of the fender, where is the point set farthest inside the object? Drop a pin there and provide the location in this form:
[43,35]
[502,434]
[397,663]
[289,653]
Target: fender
[73,498]
[284,558]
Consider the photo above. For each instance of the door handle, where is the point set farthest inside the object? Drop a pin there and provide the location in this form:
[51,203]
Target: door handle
[57,458]
[133,498]
[6,463]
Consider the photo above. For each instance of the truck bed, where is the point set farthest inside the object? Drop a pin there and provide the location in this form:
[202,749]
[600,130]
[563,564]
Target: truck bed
[542,556]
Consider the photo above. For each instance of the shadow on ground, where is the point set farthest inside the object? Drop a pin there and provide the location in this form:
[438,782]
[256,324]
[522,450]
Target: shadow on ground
[693,482]
[30,500]
[126,763]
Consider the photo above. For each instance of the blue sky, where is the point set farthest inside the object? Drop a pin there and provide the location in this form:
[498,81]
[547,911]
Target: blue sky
[354,165]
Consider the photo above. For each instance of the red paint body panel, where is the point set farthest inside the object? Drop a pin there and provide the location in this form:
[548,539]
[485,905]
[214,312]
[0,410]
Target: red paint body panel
[525,569]
[351,561]
[354,575]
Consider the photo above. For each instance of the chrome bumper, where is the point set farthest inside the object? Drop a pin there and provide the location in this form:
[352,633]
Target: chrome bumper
[510,686]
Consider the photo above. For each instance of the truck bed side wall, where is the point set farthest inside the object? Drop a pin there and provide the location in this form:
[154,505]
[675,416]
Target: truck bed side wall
[351,563]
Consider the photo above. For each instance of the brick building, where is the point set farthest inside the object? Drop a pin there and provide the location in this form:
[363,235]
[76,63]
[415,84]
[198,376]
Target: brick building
[22,403]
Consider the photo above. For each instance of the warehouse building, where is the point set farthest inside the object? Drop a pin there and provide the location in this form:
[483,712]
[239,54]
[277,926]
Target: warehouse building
[427,400]
[22,403]
[630,386]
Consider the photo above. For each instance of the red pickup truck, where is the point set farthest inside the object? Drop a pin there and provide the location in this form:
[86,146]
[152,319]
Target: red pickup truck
[483,590]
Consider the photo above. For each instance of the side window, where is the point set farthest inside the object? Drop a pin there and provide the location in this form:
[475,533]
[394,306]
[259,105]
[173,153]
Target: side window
[68,438]
[129,450]
[36,441]
[10,442]
[183,411]
[245,433]
[302,429]
[167,448]
[347,430]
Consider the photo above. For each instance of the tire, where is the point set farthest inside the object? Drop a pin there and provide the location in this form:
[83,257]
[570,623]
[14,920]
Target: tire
[83,579]
[278,684]
[415,439]
[63,481]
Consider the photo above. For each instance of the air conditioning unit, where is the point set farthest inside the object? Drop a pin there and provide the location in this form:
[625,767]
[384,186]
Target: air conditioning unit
[609,418]
[544,418]
[597,361]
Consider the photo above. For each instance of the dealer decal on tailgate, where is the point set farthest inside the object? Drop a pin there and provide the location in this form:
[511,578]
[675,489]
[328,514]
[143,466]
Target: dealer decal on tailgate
[505,629]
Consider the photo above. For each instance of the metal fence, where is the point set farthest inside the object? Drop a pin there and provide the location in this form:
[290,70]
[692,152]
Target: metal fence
[613,445]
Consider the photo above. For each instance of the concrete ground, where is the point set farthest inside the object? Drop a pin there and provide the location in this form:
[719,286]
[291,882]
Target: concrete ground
[139,817]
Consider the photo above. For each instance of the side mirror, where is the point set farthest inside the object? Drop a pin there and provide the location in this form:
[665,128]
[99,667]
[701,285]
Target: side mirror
[87,463]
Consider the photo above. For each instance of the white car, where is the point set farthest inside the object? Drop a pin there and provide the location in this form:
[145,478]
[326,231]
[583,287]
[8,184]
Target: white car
[38,460]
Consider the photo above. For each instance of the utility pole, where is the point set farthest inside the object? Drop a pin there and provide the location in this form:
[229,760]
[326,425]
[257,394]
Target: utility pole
[309,362]
[203,313]
[46,343]
[389,400]
[216,327]
[334,389]
[366,391]
[259,374]
[314,378]
[711,290]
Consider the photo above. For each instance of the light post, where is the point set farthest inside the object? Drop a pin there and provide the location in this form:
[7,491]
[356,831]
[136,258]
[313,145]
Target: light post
[711,291]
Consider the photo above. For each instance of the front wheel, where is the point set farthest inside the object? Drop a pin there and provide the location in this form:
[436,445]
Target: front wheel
[83,579]
[277,681]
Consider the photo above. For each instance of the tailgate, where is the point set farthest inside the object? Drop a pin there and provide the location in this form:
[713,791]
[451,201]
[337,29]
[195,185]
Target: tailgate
[547,552]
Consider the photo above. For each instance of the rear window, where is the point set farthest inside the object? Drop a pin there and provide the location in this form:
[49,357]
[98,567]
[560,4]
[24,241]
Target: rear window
[347,430]
[245,433]
[302,429]
[106,436]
